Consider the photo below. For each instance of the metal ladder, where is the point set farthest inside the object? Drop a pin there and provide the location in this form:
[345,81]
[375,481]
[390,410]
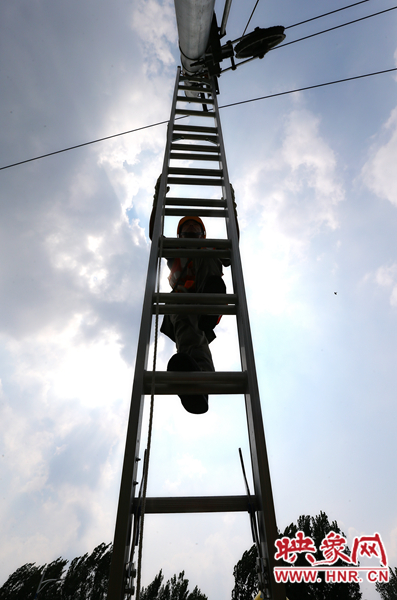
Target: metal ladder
[201,142]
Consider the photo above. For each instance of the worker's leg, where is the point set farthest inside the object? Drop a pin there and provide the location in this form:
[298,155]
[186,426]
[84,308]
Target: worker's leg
[209,280]
[192,341]
[193,355]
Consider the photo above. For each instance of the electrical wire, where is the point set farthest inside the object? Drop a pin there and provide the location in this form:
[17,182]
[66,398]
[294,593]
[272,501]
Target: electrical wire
[312,18]
[309,87]
[249,20]
[326,14]
[315,34]
[336,27]
[331,12]
[244,101]
[109,137]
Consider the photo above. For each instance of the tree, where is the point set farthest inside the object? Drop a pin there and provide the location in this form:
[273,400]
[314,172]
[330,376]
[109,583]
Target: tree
[87,578]
[23,583]
[245,577]
[174,589]
[246,583]
[388,590]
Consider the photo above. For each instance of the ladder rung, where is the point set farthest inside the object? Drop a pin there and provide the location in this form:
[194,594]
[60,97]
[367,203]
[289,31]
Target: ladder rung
[196,243]
[203,212]
[192,298]
[172,383]
[197,100]
[195,88]
[196,172]
[194,309]
[197,137]
[195,78]
[194,181]
[195,148]
[195,253]
[195,113]
[195,202]
[195,128]
[193,156]
[197,504]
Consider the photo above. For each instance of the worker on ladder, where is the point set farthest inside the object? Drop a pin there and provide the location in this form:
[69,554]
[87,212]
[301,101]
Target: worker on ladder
[192,333]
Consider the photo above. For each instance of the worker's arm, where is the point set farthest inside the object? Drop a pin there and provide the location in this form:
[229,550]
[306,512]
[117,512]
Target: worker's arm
[155,198]
[226,261]
[235,209]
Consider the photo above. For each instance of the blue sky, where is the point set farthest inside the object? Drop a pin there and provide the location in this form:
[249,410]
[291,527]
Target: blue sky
[316,188]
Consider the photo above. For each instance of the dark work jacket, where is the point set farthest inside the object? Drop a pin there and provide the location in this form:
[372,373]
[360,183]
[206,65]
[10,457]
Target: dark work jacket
[203,268]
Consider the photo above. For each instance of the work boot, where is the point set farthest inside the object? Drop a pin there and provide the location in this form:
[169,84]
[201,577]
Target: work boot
[196,404]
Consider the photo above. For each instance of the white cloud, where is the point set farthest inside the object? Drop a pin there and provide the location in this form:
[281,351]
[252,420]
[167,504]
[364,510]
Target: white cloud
[299,188]
[386,277]
[293,196]
[311,190]
[71,294]
[73,283]
[188,468]
[59,460]
[380,173]
[157,32]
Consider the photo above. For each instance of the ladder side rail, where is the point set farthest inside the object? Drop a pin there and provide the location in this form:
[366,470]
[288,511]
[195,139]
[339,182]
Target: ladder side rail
[123,528]
[259,459]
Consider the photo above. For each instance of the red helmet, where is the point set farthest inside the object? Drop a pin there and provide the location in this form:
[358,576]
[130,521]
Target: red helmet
[189,218]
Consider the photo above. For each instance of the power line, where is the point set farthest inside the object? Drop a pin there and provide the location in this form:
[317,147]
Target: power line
[336,27]
[326,14]
[244,101]
[108,137]
[249,20]
[319,32]
[312,18]
[310,87]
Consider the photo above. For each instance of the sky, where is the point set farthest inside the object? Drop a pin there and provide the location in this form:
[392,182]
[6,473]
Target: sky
[316,190]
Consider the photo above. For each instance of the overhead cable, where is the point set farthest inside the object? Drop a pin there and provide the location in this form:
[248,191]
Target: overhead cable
[108,137]
[332,28]
[249,20]
[310,87]
[331,12]
[326,14]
